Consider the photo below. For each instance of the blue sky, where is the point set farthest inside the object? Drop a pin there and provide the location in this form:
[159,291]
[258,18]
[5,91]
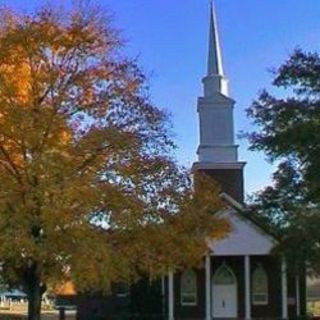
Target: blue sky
[170,38]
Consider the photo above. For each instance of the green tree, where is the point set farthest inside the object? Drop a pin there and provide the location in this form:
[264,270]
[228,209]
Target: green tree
[89,190]
[288,131]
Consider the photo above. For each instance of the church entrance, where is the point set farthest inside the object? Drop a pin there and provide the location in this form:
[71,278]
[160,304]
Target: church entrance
[224,293]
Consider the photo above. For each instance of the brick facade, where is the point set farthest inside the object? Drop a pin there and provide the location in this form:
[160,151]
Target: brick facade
[273,310]
[230,181]
[146,301]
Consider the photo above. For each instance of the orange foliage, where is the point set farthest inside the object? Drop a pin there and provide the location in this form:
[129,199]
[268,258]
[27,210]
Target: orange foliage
[88,186]
[66,289]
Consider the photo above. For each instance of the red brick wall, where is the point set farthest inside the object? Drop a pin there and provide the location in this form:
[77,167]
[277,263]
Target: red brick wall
[90,307]
[190,312]
[230,181]
[273,310]
[272,265]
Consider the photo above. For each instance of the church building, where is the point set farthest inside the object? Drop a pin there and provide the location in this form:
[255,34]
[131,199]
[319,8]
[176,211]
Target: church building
[241,278]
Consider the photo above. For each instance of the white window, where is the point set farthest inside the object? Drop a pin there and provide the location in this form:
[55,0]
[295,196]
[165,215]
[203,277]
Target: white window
[189,288]
[122,289]
[224,276]
[260,286]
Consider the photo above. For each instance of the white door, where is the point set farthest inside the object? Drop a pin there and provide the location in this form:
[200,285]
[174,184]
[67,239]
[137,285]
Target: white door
[224,294]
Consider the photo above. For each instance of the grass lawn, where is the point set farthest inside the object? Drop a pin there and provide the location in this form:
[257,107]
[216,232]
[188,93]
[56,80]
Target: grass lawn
[18,311]
[45,316]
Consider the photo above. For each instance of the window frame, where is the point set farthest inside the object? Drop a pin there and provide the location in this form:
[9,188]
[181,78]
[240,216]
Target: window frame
[194,294]
[265,294]
[224,268]
[121,294]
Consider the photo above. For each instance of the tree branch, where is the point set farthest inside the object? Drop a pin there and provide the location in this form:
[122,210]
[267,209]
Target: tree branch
[12,164]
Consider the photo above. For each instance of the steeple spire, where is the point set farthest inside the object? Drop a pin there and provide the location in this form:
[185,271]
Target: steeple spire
[214,81]
[217,151]
[215,66]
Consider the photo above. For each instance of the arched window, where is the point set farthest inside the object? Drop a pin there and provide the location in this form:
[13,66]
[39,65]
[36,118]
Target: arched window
[121,289]
[224,276]
[189,288]
[260,286]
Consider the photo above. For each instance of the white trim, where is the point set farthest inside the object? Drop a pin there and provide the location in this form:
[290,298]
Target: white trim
[189,304]
[218,98]
[298,296]
[208,286]
[284,289]
[170,296]
[217,165]
[224,266]
[120,294]
[237,205]
[260,303]
[163,285]
[163,293]
[247,286]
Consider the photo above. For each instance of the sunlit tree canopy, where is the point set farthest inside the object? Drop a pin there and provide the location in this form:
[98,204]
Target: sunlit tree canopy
[89,190]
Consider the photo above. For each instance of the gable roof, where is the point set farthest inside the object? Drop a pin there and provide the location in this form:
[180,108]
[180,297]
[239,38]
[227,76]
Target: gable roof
[246,214]
[247,237]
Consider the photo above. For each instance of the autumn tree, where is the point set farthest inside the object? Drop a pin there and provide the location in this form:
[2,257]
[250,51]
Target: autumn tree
[89,190]
[288,131]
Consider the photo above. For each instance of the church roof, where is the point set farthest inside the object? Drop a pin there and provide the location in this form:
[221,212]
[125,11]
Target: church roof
[247,214]
[246,237]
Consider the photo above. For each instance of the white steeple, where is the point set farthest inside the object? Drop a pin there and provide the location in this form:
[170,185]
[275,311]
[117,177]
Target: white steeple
[214,81]
[217,152]
[215,66]
[215,108]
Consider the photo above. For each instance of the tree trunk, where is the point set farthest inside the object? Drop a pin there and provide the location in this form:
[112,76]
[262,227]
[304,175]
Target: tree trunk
[62,313]
[34,299]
